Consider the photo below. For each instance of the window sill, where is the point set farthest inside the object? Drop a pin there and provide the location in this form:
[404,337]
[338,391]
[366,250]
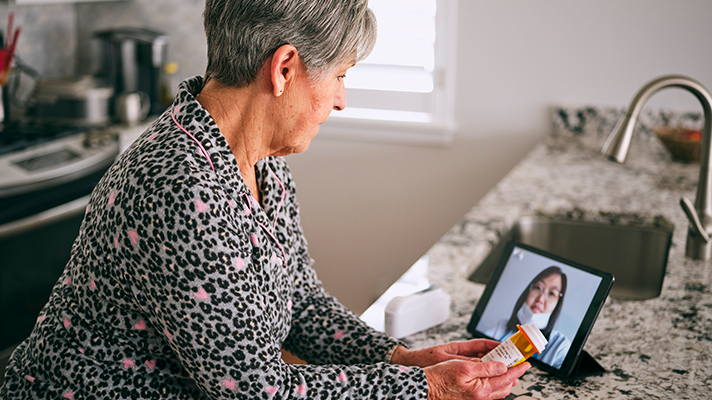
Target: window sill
[435,134]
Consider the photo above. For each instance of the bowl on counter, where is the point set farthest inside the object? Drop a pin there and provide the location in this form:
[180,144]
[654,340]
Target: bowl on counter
[683,143]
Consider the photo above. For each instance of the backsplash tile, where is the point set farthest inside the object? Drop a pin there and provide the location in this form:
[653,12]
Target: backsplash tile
[48,40]
[56,39]
[590,126]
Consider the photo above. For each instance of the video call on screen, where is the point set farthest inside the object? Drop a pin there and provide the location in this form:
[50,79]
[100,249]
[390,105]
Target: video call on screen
[536,289]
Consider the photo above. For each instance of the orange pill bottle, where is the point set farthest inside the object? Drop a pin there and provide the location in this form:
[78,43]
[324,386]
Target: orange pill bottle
[518,347]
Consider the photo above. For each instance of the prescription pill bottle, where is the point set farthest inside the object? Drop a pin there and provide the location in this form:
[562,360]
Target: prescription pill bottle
[518,347]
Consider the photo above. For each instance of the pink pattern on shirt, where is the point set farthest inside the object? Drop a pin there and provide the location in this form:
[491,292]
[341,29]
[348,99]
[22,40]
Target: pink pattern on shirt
[202,207]
[133,235]
[272,390]
[150,364]
[201,295]
[230,384]
[112,197]
[239,263]
[302,389]
[69,395]
[339,335]
[128,363]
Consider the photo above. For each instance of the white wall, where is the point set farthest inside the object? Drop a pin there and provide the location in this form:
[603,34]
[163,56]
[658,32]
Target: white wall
[516,57]
[371,210]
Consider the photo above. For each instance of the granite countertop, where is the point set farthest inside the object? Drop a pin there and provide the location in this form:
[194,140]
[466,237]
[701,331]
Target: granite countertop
[656,348]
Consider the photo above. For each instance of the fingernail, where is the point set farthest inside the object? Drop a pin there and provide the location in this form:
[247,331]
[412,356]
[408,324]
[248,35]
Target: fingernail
[501,368]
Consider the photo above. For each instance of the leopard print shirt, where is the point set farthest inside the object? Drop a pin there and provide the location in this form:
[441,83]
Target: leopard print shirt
[181,286]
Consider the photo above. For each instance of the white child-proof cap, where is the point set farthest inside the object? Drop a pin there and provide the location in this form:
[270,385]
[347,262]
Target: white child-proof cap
[535,336]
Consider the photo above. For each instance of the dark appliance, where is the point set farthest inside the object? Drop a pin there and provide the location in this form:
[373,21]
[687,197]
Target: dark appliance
[133,60]
[46,175]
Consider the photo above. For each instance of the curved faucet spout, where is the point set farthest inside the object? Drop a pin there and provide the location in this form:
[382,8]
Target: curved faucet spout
[616,148]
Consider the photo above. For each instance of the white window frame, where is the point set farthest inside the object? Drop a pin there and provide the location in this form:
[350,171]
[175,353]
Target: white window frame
[441,127]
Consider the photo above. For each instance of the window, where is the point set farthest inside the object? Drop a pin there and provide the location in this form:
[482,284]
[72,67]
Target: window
[404,90]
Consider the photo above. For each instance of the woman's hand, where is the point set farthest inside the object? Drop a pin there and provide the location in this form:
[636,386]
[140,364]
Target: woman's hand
[458,379]
[468,350]
[454,370]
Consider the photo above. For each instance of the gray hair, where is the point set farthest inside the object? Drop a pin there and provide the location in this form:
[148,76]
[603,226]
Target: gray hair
[243,34]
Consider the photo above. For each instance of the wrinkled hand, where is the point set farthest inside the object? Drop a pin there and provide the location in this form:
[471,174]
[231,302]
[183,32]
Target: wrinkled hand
[454,370]
[468,350]
[458,379]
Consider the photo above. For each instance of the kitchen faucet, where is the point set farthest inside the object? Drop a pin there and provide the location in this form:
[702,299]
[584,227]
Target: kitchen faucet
[699,245]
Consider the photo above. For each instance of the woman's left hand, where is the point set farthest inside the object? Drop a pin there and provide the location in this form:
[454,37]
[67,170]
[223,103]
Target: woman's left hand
[469,350]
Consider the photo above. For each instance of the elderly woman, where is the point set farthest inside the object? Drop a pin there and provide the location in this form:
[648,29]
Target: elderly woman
[540,303]
[191,270]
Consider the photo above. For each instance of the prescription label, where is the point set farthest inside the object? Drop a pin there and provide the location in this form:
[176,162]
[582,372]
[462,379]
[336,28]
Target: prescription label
[506,353]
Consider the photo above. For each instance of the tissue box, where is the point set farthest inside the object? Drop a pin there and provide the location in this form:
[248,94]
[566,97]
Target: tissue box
[406,315]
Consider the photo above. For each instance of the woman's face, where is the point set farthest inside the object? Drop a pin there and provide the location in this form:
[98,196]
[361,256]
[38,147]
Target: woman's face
[544,294]
[307,105]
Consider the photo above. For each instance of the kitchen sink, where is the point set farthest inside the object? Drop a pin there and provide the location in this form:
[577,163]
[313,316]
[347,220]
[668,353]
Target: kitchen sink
[635,254]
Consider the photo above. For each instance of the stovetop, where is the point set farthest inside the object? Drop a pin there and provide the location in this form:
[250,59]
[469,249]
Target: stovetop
[36,156]
[17,136]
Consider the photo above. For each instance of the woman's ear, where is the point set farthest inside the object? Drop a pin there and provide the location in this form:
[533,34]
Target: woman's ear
[283,68]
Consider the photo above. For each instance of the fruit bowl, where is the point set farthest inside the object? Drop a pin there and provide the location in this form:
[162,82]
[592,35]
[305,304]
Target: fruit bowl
[684,144]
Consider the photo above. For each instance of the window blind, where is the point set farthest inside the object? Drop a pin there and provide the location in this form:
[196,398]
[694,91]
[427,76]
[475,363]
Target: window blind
[405,79]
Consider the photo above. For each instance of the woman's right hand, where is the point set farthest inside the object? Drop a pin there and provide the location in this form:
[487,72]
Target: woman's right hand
[460,379]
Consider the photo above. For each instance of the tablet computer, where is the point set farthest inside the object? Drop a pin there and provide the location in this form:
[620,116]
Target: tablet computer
[561,297]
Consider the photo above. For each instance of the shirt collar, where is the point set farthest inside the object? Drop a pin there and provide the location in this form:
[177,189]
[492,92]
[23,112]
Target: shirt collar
[191,115]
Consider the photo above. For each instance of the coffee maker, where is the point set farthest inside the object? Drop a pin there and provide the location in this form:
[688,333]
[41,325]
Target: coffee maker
[132,60]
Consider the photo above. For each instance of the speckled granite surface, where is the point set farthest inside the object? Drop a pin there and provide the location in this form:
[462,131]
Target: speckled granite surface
[653,349]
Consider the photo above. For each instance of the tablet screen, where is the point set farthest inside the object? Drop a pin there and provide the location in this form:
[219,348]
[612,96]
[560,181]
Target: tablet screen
[534,287]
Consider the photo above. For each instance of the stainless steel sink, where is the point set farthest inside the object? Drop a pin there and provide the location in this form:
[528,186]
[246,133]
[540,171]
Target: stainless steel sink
[635,255]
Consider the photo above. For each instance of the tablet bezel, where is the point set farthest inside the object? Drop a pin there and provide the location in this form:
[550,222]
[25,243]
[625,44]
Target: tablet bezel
[568,367]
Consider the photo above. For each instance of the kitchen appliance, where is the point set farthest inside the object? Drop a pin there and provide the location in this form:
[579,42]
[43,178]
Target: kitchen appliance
[46,175]
[73,101]
[133,60]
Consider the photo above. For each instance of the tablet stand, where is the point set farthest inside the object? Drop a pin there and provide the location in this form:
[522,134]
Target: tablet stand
[586,365]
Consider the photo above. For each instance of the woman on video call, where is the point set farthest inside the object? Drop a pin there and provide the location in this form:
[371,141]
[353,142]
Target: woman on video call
[540,303]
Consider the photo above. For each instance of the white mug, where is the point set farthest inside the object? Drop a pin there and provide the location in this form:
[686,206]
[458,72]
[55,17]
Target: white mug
[132,108]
